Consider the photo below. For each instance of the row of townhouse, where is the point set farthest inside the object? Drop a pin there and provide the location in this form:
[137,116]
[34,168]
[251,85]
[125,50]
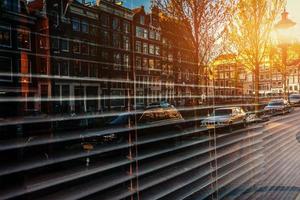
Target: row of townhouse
[231,79]
[63,56]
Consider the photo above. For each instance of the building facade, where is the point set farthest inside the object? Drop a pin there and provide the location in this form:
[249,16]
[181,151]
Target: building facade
[17,59]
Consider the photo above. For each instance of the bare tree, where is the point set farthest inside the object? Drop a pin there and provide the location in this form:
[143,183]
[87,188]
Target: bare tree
[204,21]
[249,33]
[280,65]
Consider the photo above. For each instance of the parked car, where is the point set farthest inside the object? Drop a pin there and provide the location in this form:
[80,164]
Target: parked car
[226,117]
[278,106]
[294,99]
[155,118]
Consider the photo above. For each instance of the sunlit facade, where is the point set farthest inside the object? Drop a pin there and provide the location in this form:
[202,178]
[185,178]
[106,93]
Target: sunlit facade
[101,101]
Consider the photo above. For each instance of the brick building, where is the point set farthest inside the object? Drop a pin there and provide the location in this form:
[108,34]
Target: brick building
[17,59]
[147,55]
[179,68]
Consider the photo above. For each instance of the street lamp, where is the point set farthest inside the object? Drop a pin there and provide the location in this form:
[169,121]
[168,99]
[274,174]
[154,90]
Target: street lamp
[283,28]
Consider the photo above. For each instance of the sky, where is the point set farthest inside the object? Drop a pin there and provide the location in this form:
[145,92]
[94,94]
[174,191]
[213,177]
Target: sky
[137,3]
[293,8]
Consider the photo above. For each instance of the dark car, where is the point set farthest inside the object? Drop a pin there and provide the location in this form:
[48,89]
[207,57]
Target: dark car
[154,120]
[278,106]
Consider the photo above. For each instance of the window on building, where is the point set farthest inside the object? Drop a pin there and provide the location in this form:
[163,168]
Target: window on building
[104,37]
[93,30]
[23,38]
[76,68]
[151,63]
[138,46]
[142,19]
[93,50]
[5,35]
[145,34]
[64,45]
[55,44]
[116,40]
[84,69]
[138,62]
[84,26]
[43,42]
[75,25]
[104,55]
[151,49]
[139,32]
[11,5]
[126,60]
[55,67]
[116,23]
[126,27]
[6,69]
[104,20]
[85,48]
[152,34]
[157,36]
[93,70]
[117,58]
[117,61]
[64,68]
[76,47]
[157,50]
[126,43]
[157,64]
[145,48]
[145,63]
[92,92]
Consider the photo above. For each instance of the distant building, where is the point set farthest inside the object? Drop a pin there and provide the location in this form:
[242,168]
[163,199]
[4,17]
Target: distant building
[230,79]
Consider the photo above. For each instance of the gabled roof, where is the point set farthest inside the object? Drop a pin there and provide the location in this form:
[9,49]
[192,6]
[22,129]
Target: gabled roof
[139,10]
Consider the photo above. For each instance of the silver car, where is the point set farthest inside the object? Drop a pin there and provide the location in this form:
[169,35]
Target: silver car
[226,117]
[278,106]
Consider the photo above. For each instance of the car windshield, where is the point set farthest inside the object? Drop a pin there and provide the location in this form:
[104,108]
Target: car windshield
[223,112]
[276,103]
[120,120]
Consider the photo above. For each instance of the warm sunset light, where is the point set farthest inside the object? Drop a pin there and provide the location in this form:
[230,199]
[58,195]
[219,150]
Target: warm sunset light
[149,99]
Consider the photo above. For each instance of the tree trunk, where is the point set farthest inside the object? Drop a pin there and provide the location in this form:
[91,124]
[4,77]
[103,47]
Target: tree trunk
[256,87]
